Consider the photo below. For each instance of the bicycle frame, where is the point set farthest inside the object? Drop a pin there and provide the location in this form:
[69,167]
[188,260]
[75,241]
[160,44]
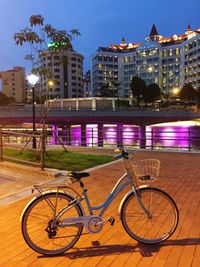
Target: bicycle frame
[114,192]
[122,182]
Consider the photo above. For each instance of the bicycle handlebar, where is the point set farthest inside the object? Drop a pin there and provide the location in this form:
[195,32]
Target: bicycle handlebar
[124,154]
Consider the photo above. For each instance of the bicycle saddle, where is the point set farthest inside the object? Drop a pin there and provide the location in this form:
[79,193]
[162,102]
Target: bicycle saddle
[78,175]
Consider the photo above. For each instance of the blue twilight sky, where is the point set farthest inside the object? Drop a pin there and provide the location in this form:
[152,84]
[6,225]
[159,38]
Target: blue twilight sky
[100,22]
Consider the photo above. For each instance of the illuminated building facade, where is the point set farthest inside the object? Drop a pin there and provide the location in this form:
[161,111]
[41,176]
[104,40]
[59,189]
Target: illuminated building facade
[68,78]
[169,62]
[13,83]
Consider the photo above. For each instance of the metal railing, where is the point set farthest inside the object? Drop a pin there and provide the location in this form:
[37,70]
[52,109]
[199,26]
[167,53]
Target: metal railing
[187,139]
[22,142]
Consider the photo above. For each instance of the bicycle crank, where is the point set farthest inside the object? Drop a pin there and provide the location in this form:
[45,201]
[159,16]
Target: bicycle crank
[95,224]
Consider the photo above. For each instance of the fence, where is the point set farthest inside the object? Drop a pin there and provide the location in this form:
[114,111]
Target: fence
[181,138]
[14,140]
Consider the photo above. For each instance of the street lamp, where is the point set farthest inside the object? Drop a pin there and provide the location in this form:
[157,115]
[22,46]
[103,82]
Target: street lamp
[33,79]
[50,85]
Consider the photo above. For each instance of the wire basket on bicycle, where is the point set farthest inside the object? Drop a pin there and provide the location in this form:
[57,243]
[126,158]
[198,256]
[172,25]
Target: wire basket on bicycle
[146,170]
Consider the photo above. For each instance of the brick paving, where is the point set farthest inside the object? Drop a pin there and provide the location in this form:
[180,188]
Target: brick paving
[180,177]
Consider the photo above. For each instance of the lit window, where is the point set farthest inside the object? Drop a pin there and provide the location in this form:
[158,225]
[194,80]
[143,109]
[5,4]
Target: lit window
[177,51]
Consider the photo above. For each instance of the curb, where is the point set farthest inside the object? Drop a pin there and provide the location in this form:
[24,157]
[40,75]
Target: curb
[22,169]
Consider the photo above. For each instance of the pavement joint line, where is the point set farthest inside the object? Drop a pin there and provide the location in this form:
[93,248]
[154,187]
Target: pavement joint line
[26,192]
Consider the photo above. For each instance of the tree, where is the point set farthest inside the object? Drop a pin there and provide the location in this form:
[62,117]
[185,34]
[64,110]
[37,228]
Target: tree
[138,88]
[152,93]
[188,92]
[43,37]
[110,89]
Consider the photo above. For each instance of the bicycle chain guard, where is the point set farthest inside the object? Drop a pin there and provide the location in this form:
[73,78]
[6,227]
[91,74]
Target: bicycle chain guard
[95,224]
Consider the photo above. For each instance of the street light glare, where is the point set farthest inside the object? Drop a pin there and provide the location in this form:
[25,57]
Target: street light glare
[51,83]
[32,79]
[175,91]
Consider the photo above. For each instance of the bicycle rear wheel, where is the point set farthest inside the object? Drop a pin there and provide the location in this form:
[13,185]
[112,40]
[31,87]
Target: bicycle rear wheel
[40,230]
[157,227]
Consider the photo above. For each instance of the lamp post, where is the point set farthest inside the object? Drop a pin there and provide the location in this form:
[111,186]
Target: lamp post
[33,79]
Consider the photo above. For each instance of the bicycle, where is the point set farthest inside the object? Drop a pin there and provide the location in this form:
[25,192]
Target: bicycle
[53,221]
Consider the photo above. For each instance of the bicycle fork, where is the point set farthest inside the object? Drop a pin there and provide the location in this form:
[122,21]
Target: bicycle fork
[139,200]
[138,197]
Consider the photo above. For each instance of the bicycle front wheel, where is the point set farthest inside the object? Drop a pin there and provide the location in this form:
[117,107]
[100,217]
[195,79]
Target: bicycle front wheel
[159,224]
[40,229]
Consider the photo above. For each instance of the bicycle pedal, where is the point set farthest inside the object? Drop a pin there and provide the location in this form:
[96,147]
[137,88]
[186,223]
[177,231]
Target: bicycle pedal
[111,221]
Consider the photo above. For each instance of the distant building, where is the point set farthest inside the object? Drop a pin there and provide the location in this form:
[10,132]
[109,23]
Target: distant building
[169,62]
[87,84]
[68,77]
[13,83]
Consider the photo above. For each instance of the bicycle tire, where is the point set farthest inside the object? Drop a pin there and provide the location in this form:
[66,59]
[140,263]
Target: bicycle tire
[164,212]
[37,217]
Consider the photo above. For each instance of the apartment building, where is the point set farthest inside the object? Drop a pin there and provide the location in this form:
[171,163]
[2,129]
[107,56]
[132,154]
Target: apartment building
[13,83]
[169,62]
[67,74]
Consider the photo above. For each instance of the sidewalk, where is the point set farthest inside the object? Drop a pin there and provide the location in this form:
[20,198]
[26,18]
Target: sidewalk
[16,180]
[180,177]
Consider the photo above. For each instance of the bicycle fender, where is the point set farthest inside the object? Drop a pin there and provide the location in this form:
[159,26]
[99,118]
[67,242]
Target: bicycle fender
[125,197]
[47,192]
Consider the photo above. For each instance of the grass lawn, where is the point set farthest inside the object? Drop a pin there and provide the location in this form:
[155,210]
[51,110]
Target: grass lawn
[62,160]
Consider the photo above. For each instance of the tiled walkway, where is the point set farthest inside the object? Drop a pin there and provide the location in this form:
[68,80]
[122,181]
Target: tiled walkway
[180,177]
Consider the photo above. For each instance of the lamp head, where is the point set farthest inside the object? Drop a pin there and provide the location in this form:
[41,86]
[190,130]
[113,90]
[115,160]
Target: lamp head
[32,79]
